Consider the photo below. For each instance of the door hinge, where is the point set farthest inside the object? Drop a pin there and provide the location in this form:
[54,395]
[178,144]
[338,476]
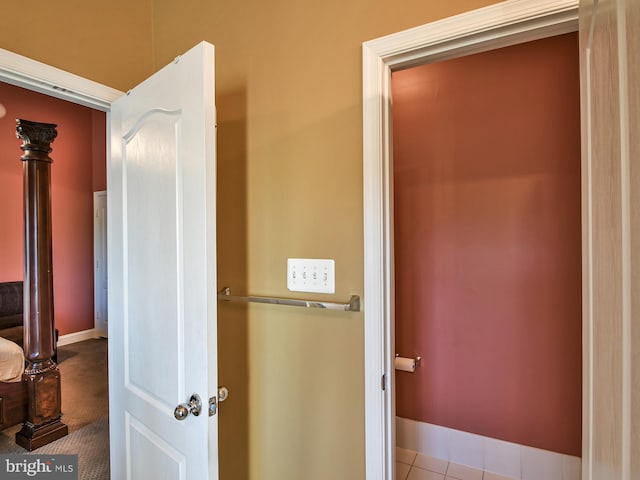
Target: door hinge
[383,383]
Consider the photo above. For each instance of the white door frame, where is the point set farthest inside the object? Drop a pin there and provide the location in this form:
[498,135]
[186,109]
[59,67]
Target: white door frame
[100,316]
[39,77]
[495,26]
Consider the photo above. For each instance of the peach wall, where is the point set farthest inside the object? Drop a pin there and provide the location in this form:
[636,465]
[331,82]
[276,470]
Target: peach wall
[488,243]
[71,197]
[289,106]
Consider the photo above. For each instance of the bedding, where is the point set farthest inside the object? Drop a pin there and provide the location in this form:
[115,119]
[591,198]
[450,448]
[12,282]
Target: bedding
[11,361]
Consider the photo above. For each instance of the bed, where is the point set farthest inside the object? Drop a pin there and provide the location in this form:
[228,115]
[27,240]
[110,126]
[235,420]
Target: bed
[13,391]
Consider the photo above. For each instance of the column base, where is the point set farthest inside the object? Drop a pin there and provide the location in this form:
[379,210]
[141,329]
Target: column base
[32,436]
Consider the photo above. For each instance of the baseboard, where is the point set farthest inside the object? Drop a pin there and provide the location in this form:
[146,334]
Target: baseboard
[504,458]
[76,337]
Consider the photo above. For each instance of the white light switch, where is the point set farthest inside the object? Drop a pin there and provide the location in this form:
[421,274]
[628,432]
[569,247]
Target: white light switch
[311,275]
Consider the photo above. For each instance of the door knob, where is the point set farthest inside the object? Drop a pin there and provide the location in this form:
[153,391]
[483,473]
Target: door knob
[194,407]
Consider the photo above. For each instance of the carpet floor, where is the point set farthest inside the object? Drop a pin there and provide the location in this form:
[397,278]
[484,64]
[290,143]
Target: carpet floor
[85,407]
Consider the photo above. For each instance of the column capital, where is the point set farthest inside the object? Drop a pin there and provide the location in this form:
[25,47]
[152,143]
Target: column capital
[36,139]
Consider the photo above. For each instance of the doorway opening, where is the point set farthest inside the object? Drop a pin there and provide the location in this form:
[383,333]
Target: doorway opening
[79,168]
[502,25]
[487,262]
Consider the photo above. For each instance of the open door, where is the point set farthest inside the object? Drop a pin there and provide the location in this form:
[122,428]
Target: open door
[162,275]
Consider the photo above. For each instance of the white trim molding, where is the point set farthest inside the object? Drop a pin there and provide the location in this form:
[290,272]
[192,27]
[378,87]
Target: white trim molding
[495,26]
[76,337]
[510,460]
[39,77]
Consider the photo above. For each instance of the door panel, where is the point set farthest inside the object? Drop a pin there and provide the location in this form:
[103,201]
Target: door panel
[162,273]
[154,280]
[168,463]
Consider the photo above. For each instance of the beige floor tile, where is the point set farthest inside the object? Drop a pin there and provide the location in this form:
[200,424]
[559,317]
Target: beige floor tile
[433,464]
[405,456]
[495,476]
[420,474]
[462,472]
[402,470]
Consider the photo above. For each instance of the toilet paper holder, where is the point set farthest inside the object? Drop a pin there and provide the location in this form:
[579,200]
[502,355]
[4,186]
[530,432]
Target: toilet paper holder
[406,364]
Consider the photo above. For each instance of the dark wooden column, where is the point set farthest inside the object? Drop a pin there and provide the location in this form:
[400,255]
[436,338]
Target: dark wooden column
[41,374]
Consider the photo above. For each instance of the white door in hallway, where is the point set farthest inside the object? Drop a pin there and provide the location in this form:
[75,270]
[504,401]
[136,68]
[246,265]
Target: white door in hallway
[101,312]
[162,274]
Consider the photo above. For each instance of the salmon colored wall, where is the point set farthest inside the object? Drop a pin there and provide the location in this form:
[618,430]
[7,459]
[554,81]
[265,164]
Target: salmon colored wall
[99,150]
[71,197]
[488,243]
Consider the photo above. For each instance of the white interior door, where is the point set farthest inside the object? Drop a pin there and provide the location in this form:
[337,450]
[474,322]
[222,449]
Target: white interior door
[100,308]
[162,273]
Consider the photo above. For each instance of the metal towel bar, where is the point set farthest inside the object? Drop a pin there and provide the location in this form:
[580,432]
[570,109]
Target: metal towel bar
[352,306]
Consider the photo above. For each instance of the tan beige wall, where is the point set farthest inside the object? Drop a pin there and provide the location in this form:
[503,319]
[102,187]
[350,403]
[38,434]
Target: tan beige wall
[109,42]
[290,166]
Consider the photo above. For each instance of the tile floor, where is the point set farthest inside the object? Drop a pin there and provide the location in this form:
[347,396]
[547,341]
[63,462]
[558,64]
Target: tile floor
[411,465]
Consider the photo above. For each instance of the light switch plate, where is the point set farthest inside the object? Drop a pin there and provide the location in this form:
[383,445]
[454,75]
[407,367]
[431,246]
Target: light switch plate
[311,275]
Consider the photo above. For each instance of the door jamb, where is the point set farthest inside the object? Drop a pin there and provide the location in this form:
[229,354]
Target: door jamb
[500,25]
[39,77]
[100,322]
